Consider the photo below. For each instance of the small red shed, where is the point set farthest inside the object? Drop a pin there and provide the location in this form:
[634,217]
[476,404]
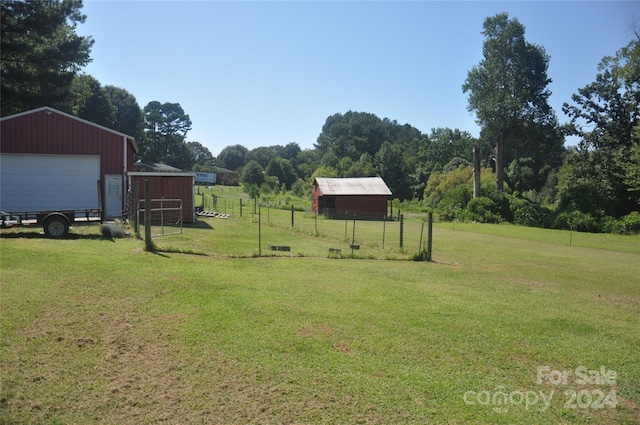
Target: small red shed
[55,136]
[168,186]
[361,197]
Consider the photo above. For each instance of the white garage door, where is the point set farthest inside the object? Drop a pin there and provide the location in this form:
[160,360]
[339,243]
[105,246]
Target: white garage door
[48,182]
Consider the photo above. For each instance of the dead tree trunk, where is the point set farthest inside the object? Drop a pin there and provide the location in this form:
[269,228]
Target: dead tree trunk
[499,161]
[476,171]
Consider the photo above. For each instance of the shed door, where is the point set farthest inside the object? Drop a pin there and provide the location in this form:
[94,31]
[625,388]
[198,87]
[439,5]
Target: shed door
[113,196]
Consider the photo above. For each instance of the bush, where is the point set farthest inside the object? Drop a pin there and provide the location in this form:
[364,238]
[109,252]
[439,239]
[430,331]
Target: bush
[577,220]
[627,225]
[459,197]
[483,210]
[525,212]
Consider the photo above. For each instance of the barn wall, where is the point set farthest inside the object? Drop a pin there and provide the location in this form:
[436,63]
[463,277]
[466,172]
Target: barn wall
[367,206]
[169,186]
[46,132]
[51,132]
[315,198]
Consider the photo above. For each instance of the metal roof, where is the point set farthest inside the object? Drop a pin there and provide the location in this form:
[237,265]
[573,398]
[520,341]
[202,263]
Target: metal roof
[352,186]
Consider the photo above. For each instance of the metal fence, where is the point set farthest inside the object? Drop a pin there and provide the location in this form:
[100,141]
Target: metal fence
[347,232]
[398,233]
[166,216]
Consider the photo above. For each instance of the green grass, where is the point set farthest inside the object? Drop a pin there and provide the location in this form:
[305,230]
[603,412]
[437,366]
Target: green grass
[95,331]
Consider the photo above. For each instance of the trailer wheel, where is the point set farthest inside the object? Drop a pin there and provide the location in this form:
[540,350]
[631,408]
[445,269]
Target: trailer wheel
[56,226]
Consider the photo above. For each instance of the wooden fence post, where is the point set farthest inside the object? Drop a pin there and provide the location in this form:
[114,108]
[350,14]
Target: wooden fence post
[148,243]
[430,236]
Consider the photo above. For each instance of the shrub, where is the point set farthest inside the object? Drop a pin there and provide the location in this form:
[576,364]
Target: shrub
[577,220]
[627,225]
[483,210]
[525,212]
[459,197]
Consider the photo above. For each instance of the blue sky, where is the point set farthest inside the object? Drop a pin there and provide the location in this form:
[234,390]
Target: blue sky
[270,73]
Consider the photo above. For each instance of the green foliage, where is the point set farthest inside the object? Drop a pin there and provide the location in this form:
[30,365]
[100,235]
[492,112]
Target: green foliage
[109,106]
[355,133]
[324,171]
[482,210]
[127,115]
[440,184]
[389,163]
[508,88]
[166,127]
[300,188]
[40,53]
[233,157]
[444,144]
[282,170]
[90,101]
[604,115]
[201,156]
[251,189]
[456,163]
[525,212]
[457,199]
[627,225]
[573,219]
[252,174]
[586,198]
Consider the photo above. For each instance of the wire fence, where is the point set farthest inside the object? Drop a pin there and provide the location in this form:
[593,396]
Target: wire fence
[353,233]
[166,216]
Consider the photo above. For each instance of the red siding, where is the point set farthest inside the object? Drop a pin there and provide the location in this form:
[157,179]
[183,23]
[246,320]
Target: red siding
[372,207]
[47,132]
[316,193]
[168,186]
[52,132]
[365,206]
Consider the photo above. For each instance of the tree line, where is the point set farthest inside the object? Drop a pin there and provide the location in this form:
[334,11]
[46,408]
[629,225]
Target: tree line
[527,175]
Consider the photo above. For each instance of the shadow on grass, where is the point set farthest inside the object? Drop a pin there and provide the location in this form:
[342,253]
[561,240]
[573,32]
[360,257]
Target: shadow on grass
[200,224]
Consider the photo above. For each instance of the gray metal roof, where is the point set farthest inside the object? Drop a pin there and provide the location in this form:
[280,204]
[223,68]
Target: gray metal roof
[352,186]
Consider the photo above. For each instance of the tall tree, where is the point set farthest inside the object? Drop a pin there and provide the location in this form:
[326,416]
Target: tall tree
[389,163]
[233,157]
[354,133]
[200,154]
[127,114]
[40,52]
[252,174]
[166,127]
[606,116]
[508,88]
[89,100]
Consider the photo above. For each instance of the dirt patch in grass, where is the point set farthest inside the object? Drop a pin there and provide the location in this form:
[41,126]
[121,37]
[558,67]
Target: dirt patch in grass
[98,360]
[104,361]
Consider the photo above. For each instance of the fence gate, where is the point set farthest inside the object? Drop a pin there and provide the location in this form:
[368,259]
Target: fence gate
[166,216]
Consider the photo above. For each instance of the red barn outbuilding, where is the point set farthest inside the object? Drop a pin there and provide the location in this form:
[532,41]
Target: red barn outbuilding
[47,136]
[168,186]
[362,197]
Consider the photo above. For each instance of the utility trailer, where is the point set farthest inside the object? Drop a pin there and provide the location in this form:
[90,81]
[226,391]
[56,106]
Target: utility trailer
[54,191]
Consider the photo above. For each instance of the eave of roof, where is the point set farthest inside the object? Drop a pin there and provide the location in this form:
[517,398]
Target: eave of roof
[353,186]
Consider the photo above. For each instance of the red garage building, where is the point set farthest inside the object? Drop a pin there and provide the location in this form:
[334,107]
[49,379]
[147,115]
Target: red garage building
[72,146]
[362,197]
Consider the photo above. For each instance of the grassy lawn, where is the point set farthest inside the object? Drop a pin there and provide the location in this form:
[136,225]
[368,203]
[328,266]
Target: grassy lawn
[204,331]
